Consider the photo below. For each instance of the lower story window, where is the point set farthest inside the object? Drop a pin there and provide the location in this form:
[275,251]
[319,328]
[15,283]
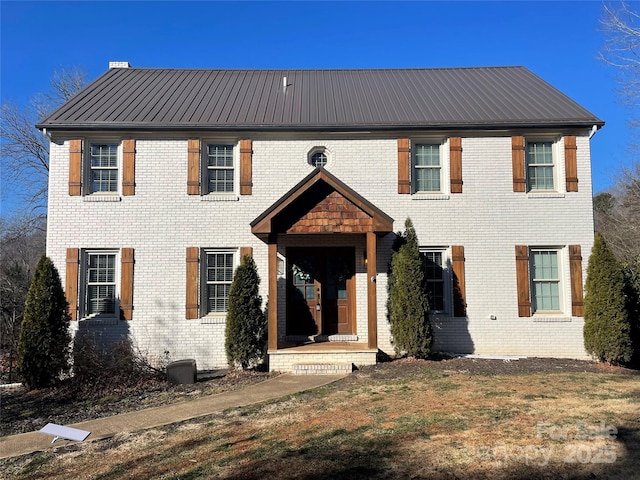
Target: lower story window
[101,275]
[436,279]
[545,279]
[218,276]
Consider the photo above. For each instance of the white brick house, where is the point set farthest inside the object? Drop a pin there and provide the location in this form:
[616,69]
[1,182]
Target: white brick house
[161,179]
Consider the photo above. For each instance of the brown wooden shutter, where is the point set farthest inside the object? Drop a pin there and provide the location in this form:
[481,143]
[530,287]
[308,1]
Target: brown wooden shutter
[128,167]
[517,158]
[571,163]
[71,281]
[404,162]
[459,288]
[522,276]
[575,264]
[126,284]
[75,167]
[246,153]
[455,160]
[193,296]
[245,251]
[193,167]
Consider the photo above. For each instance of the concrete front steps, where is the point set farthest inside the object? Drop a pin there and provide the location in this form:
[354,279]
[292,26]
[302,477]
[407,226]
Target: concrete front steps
[321,358]
[322,368]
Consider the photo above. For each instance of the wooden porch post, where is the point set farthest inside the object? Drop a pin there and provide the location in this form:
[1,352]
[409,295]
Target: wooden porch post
[372,311]
[272,333]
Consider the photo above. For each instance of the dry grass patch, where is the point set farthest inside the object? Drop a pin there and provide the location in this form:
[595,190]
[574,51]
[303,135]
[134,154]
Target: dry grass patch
[423,425]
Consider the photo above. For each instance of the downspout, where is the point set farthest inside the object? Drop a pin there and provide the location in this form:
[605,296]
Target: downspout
[593,131]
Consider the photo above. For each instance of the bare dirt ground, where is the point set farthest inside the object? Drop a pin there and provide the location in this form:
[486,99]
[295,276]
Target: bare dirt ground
[25,411]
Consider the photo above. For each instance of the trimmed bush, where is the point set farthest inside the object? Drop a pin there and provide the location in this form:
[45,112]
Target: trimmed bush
[44,345]
[408,305]
[246,327]
[607,328]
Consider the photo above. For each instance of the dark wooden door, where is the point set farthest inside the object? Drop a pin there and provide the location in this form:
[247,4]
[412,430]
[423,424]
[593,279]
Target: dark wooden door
[321,291]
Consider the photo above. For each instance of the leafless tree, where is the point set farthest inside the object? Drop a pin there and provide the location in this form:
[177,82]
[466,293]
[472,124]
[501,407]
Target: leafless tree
[617,216]
[25,150]
[21,246]
[621,28]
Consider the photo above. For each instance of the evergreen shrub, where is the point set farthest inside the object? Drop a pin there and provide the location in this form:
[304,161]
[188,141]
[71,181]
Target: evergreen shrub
[246,326]
[408,305]
[607,327]
[44,344]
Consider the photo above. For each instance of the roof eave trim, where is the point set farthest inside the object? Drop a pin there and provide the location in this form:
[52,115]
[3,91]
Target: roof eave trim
[315,128]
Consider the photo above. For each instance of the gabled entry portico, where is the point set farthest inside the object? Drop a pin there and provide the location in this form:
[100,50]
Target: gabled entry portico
[312,283]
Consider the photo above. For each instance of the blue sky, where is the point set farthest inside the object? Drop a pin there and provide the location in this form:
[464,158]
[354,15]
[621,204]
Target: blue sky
[558,41]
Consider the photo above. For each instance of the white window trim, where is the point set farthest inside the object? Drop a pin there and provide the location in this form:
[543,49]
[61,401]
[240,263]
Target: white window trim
[557,156]
[447,280]
[562,257]
[444,154]
[206,195]
[213,317]
[88,194]
[84,284]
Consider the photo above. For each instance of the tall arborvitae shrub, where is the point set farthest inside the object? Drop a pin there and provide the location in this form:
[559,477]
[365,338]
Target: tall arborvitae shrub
[408,305]
[607,329]
[44,345]
[246,329]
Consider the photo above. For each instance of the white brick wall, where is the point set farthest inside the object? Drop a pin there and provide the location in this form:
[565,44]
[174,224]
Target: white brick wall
[488,219]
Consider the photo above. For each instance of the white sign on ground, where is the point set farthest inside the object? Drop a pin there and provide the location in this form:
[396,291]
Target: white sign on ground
[68,433]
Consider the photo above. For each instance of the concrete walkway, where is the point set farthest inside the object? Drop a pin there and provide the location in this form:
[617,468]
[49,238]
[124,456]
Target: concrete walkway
[280,386]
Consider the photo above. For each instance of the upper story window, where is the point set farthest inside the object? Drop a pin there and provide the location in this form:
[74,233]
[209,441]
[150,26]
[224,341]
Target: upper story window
[318,157]
[103,163]
[540,166]
[545,280]
[219,173]
[102,169]
[427,167]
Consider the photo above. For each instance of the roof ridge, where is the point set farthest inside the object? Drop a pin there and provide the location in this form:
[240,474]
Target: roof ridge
[361,69]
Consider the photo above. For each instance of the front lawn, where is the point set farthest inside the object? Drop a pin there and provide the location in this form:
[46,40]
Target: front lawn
[402,420]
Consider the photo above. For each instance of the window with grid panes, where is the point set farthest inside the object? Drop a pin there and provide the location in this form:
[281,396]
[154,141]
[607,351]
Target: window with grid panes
[219,173]
[426,167]
[435,279]
[319,159]
[103,165]
[545,279]
[218,277]
[101,283]
[540,165]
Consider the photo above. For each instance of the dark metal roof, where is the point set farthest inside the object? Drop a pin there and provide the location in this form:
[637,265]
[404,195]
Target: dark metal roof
[487,97]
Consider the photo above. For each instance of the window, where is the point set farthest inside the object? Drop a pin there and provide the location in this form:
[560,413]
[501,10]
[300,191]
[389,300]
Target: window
[318,156]
[540,169]
[545,281]
[435,279]
[103,167]
[219,175]
[319,159]
[427,167]
[218,274]
[100,283]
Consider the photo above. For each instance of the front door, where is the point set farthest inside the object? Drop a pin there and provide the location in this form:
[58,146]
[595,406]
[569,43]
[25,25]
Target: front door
[321,291]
